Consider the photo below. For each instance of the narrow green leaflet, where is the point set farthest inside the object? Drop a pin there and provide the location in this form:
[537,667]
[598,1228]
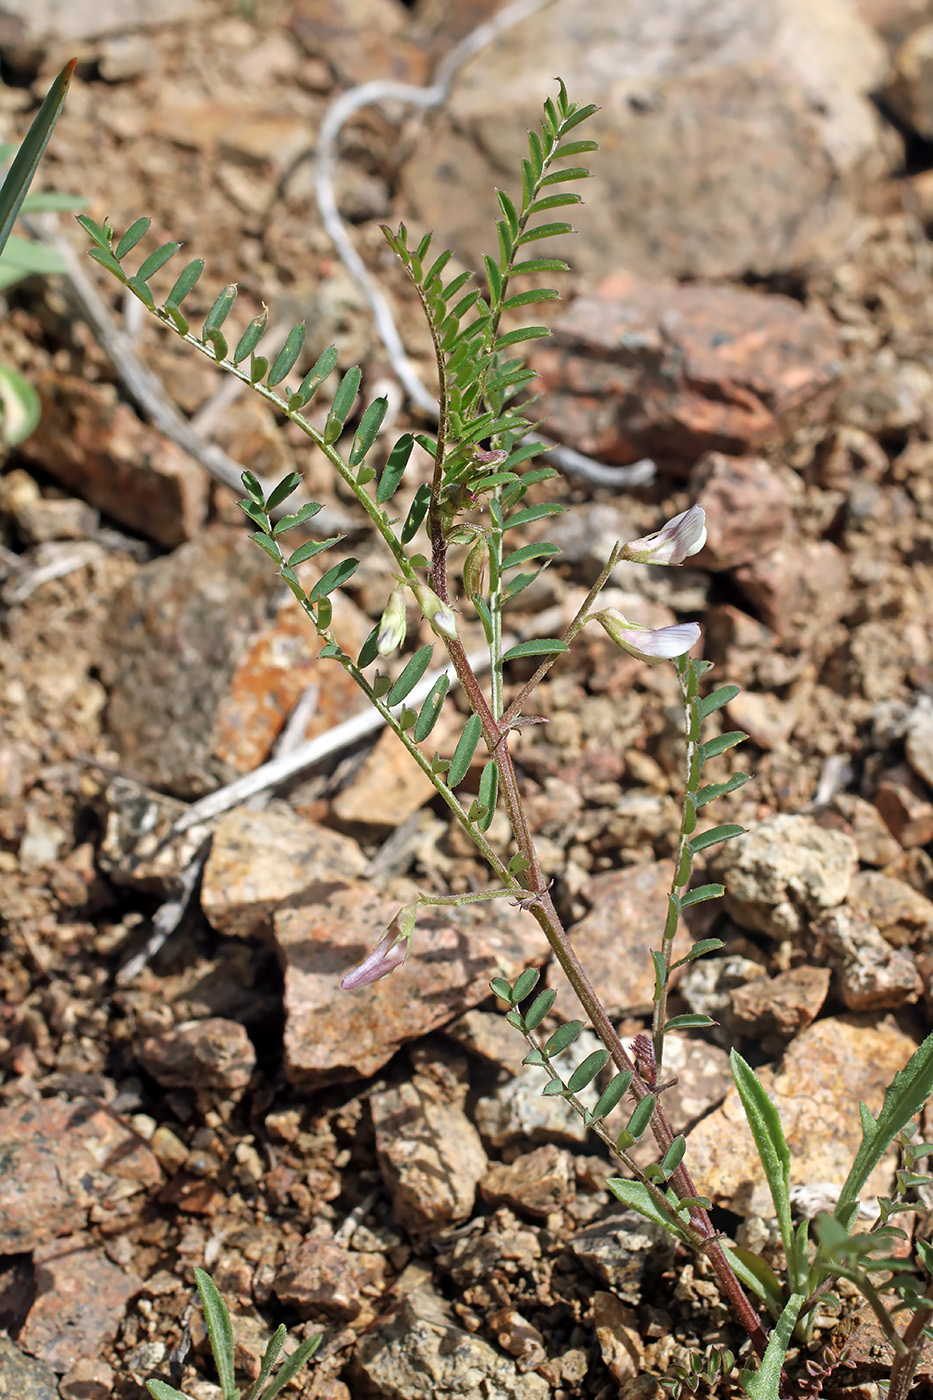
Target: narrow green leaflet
[524,983]
[161,1390]
[587,1070]
[615,1090]
[394,469]
[464,751]
[291,1366]
[765,1123]
[538,646]
[712,837]
[717,699]
[334,578]
[156,260]
[540,1007]
[562,1037]
[285,360]
[636,1196]
[134,233]
[427,716]
[411,675]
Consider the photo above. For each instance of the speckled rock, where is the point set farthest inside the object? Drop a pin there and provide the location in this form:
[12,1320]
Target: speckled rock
[387,787]
[430,1154]
[57,1159]
[747,506]
[918,742]
[619,1251]
[257,859]
[872,975]
[489,1035]
[536,1183]
[628,910]
[866,826]
[518,1114]
[205,659]
[708,985]
[419,1353]
[324,1282]
[826,1071]
[619,1337]
[328,928]
[79,1304]
[784,872]
[781,1006]
[903,915]
[211,1054]
[903,801]
[22,1377]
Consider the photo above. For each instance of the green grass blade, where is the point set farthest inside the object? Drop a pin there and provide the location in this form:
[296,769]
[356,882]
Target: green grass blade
[765,1383]
[20,174]
[765,1123]
[219,1331]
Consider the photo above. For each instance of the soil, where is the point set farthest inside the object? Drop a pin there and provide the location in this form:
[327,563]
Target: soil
[249,1169]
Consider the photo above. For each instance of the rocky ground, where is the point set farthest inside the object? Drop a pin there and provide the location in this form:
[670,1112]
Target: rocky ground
[751,310]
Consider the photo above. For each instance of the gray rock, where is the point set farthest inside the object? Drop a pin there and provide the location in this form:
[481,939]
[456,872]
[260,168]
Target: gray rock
[910,90]
[27,23]
[420,1354]
[23,1377]
[692,94]
[784,872]
[518,1112]
[620,1250]
[430,1154]
[872,975]
[79,1305]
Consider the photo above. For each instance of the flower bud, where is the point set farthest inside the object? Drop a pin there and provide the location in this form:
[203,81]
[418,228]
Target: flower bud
[649,644]
[440,616]
[679,538]
[389,953]
[474,567]
[392,624]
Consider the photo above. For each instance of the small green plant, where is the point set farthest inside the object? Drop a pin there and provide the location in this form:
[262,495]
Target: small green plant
[21,257]
[220,1336]
[482,492]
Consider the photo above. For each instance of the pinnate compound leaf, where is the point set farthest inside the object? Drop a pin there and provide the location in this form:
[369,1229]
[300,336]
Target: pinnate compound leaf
[587,1070]
[219,1331]
[411,675]
[539,1008]
[562,1037]
[704,839]
[464,751]
[427,716]
[134,233]
[525,983]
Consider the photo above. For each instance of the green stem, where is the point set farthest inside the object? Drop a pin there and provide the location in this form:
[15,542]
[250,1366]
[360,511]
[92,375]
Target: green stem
[905,1367]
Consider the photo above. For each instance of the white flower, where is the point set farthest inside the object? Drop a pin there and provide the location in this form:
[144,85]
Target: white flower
[679,538]
[650,644]
[392,624]
[441,617]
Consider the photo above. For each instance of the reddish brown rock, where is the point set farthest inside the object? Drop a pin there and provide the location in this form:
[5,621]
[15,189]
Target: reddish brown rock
[800,584]
[825,1072]
[629,907]
[903,802]
[387,788]
[57,1159]
[537,1182]
[430,1154]
[321,1280]
[257,859]
[214,1054]
[872,975]
[903,915]
[79,1304]
[655,369]
[866,826]
[331,926]
[101,450]
[747,506]
[783,1005]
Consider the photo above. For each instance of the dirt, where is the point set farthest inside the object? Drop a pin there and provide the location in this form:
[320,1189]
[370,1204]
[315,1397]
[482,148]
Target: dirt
[296,1197]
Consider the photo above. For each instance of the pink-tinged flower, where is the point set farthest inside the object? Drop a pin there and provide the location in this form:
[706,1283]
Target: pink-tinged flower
[649,644]
[389,953]
[679,538]
[440,616]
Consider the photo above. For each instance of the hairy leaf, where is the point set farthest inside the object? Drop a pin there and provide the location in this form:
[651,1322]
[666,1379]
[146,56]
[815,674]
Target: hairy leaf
[411,675]
[463,753]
